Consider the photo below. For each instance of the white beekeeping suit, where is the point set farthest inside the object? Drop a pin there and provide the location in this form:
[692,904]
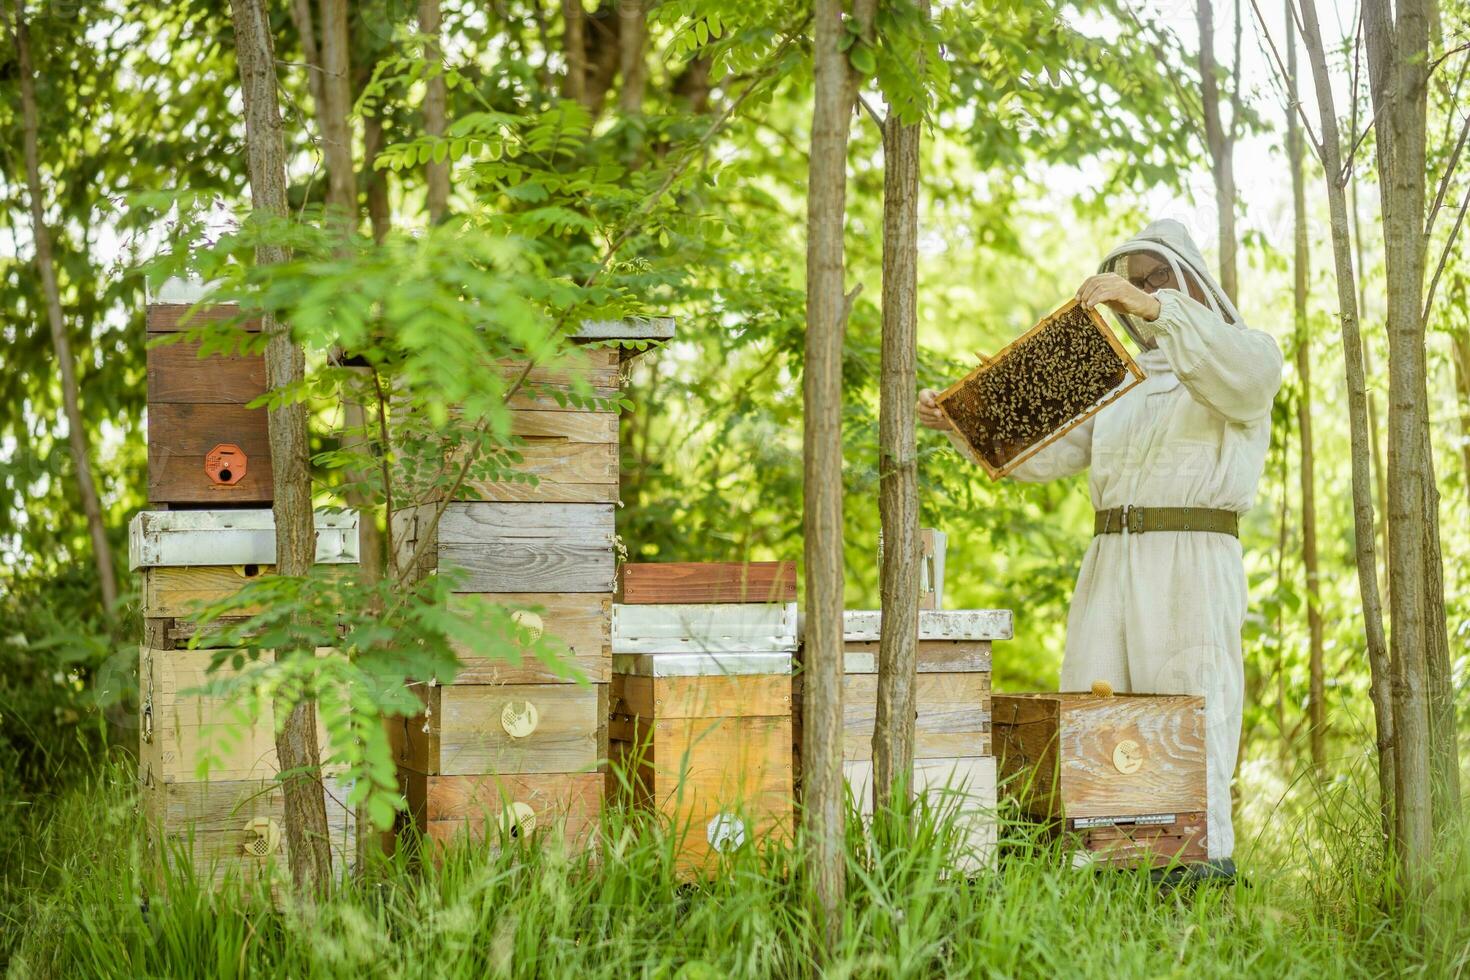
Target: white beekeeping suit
[1161,612]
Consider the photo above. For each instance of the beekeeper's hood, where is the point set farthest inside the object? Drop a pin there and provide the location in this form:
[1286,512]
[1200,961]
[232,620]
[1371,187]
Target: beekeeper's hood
[1170,241]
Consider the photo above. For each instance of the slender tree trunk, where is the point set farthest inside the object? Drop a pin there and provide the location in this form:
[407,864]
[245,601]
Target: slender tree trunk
[1220,139]
[1398,44]
[1281,691]
[77,441]
[1460,354]
[307,842]
[632,66]
[898,468]
[1380,473]
[1352,352]
[1316,708]
[826,326]
[574,44]
[437,174]
[380,218]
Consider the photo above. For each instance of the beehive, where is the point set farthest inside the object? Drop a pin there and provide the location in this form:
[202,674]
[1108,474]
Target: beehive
[645,583]
[953,765]
[204,445]
[208,770]
[1047,381]
[1123,776]
[510,748]
[701,721]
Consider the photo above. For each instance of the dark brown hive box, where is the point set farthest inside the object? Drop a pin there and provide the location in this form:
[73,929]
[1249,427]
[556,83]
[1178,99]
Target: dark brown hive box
[204,445]
[1040,386]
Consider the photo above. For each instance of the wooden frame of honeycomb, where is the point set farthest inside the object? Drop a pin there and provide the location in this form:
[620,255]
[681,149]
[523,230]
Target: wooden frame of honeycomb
[1038,388]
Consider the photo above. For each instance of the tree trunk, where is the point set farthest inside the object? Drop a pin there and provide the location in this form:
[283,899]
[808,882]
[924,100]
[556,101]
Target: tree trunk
[1316,708]
[296,744]
[1362,482]
[77,442]
[898,468]
[1460,354]
[632,66]
[1397,63]
[826,324]
[574,43]
[1219,140]
[437,174]
[1380,474]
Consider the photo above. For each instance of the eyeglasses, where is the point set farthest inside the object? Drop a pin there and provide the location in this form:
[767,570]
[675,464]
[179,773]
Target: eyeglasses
[1157,279]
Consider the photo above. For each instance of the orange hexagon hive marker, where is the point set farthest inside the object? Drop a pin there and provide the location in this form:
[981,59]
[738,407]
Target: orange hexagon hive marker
[225,464]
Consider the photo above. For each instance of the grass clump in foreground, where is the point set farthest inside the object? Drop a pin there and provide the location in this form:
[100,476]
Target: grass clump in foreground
[72,905]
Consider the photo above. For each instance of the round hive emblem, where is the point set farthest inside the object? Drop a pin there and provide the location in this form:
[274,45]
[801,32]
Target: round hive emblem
[264,836]
[725,832]
[1128,756]
[519,718]
[528,621]
[517,820]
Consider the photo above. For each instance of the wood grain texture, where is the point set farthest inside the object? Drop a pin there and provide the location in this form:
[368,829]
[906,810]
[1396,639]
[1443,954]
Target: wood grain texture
[953,715]
[515,547]
[572,426]
[1184,839]
[565,805]
[179,437]
[689,582]
[587,470]
[466,735]
[704,628]
[176,373]
[173,317]
[577,622]
[544,398]
[183,732]
[656,698]
[934,657]
[180,592]
[1060,749]
[597,366]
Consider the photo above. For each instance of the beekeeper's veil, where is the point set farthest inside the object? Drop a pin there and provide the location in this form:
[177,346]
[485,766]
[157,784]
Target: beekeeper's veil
[1169,241]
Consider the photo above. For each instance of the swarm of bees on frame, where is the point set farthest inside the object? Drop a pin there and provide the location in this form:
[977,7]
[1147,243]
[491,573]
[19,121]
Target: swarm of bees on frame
[1039,385]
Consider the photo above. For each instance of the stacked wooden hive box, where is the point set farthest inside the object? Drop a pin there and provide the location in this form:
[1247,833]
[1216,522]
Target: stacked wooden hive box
[207,771]
[701,702]
[954,770]
[506,749]
[1120,777]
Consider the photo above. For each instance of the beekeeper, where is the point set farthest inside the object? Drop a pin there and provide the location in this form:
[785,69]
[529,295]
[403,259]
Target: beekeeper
[1161,597]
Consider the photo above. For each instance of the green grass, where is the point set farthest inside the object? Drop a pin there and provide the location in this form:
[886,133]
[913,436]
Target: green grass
[72,905]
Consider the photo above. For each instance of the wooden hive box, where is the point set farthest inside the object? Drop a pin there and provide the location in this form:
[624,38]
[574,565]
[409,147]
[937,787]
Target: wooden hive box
[1122,775]
[953,768]
[208,773]
[687,582]
[701,721]
[204,445]
[193,558]
[1040,386]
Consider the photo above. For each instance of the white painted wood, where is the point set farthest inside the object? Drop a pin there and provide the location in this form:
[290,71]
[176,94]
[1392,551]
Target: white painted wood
[631,328]
[700,664]
[962,790]
[711,627]
[230,537]
[861,625]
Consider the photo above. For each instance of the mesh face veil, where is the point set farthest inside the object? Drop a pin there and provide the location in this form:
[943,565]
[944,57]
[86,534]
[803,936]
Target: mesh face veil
[1170,243]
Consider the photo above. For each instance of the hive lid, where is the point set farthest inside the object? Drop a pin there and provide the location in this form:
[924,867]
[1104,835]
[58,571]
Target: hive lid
[628,328]
[230,537]
[665,628]
[701,664]
[862,625]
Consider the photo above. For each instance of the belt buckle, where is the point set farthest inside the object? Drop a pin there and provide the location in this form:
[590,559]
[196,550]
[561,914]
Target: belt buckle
[1133,519]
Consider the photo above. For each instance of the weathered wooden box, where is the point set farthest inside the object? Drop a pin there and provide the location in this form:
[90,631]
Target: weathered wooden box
[953,768]
[193,558]
[204,445]
[1123,775]
[575,624]
[514,547]
[207,771]
[1037,388]
[679,582]
[701,722]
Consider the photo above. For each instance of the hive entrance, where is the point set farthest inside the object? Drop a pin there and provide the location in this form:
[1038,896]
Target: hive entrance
[1049,380]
